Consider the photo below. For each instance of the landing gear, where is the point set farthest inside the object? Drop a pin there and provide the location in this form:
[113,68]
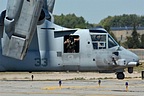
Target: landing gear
[130,70]
[120,75]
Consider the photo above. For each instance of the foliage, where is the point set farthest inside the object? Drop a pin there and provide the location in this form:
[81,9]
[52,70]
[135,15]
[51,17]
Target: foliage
[72,21]
[135,38]
[123,20]
[142,41]
[128,43]
[133,41]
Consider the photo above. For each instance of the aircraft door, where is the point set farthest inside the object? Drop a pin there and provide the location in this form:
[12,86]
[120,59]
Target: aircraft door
[71,57]
[100,46]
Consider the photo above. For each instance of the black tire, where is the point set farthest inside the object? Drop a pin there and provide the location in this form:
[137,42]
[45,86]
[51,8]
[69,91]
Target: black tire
[120,75]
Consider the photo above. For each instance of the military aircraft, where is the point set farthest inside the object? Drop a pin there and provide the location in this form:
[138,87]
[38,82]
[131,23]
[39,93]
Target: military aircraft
[31,42]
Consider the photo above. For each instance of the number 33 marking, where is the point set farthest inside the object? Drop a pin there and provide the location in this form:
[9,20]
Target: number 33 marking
[41,62]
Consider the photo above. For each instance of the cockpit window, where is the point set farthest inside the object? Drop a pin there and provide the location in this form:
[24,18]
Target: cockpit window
[99,41]
[111,42]
[98,37]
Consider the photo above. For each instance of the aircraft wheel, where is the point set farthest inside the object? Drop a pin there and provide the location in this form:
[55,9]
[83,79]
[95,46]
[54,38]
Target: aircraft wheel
[130,70]
[120,75]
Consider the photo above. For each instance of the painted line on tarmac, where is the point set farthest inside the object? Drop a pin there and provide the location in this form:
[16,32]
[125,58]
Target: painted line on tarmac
[34,93]
[70,87]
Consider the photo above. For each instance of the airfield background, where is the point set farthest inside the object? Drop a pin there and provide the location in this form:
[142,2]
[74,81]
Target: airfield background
[139,52]
[121,33]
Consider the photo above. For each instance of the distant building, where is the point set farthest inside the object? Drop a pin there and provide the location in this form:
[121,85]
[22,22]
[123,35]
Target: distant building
[122,32]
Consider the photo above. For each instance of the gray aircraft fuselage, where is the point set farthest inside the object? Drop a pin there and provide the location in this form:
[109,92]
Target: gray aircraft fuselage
[30,42]
[47,53]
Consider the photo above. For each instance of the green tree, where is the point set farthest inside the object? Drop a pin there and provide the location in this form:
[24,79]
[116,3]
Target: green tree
[128,43]
[72,21]
[107,27]
[106,22]
[123,20]
[142,41]
[135,36]
[133,41]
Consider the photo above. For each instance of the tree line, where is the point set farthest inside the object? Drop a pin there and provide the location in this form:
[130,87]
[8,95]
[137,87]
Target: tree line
[135,40]
[123,20]
[72,21]
[132,20]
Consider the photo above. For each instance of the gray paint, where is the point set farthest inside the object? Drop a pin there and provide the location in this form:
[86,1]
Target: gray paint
[45,52]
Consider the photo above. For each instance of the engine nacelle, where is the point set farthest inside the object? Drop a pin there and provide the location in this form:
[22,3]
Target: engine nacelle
[2,16]
[41,18]
[12,13]
[20,26]
[13,8]
[8,24]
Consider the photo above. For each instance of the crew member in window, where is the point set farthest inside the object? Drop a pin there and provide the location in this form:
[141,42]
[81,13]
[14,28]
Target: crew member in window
[70,45]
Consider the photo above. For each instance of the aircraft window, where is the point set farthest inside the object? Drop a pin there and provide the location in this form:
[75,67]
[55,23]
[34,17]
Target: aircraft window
[95,45]
[98,37]
[98,41]
[111,42]
[71,44]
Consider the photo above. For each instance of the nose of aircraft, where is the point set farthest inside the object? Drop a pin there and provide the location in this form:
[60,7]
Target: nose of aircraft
[129,56]
[136,58]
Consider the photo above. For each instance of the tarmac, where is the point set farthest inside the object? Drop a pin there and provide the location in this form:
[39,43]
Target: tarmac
[85,86]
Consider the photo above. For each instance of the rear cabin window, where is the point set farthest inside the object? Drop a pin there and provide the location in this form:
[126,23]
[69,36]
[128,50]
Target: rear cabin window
[71,44]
